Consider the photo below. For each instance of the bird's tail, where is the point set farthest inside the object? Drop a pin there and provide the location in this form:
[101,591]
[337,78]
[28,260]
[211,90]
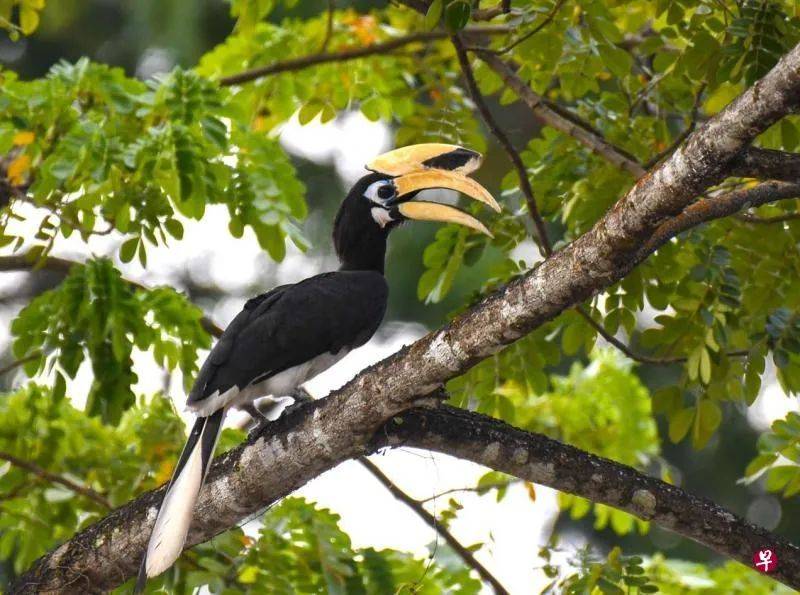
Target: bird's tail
[175,515]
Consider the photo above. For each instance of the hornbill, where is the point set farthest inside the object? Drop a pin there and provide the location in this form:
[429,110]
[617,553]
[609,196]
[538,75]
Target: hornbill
[286,336]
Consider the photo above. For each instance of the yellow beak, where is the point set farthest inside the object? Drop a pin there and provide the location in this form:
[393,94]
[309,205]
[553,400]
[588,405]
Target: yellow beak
[435,165]
[433,211]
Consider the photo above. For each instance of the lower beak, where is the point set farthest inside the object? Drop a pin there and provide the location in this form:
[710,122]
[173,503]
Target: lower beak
[432,211]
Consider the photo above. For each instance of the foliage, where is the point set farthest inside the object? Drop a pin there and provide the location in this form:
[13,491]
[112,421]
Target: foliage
[779,457]
[602,408]
[301,549]
[96,313]
[27,16]
[586,572]
[118,461]
[113,153]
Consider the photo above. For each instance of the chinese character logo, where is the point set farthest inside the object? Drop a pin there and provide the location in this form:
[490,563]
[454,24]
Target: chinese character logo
[765,560]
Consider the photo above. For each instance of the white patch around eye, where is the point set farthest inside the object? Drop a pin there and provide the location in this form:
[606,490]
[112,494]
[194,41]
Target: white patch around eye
[372,191]
[381,216]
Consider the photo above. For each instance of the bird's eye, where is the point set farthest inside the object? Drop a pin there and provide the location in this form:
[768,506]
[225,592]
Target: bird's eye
[386,191]
[381,191]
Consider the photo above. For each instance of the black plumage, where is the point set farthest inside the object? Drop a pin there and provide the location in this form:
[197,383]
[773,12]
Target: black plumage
[291,325]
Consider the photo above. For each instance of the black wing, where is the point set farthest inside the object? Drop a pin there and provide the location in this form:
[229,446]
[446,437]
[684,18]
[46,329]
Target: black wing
[293,324]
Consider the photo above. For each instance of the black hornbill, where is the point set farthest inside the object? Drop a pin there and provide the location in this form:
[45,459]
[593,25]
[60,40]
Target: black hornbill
[288,335]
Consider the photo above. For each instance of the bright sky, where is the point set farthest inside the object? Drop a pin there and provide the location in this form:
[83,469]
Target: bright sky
[512,530]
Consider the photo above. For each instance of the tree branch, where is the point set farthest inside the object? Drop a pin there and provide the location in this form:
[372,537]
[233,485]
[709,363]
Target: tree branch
[270,466]
[546,114]
[54,478]
[385,47]
[415,505]
[293,450]
[683,135]
[718,207]
[767,164]
[547,20]
[542,460]
[750,218]
[505,142]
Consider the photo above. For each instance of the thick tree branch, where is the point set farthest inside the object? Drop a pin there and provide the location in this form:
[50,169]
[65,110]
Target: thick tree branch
[767,164]
[55,478]
[539,459]
[346,55]
[248,478]
[467,556]
[294,450]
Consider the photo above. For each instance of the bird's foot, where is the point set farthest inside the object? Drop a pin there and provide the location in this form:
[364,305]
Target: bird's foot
[301,395]
[259,419]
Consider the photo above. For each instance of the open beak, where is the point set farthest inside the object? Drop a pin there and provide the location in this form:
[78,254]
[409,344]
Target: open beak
[434,165]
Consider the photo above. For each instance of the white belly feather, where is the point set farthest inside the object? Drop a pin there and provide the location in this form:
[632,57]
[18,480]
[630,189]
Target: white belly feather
[280,385]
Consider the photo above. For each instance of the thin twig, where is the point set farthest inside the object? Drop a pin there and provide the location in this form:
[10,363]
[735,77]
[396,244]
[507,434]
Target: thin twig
[302,62]
[53,478]
[20,362]
[639,357]
[479,489]
[683,135]
[570,124]
[417,507]
[750,218]
[547,20]
[329,27]
[516,160]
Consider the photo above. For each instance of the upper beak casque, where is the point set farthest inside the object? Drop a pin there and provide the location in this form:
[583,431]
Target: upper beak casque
[434,165]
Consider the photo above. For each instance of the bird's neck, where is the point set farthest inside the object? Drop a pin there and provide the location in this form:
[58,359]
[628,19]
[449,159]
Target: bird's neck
[365,253]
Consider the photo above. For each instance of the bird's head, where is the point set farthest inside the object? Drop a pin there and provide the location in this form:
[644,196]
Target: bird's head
[384,198]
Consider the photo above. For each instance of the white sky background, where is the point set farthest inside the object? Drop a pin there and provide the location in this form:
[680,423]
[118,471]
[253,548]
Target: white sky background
[512,530]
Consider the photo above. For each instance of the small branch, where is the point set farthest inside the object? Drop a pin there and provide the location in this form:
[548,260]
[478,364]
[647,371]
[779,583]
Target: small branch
[767,164]
[25,262]
[53,478]
[20,362]
[683,135]
[415,505]
[546,114]
[487,14]
[547,20]
[718,207]
[750,218]
[328,27]
[302,62]
[639,357]
[470,489]
[505,142]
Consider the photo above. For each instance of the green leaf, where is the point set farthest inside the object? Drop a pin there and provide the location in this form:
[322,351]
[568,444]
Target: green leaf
[679,424]
[434,14]
[457,15]
[128,249]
